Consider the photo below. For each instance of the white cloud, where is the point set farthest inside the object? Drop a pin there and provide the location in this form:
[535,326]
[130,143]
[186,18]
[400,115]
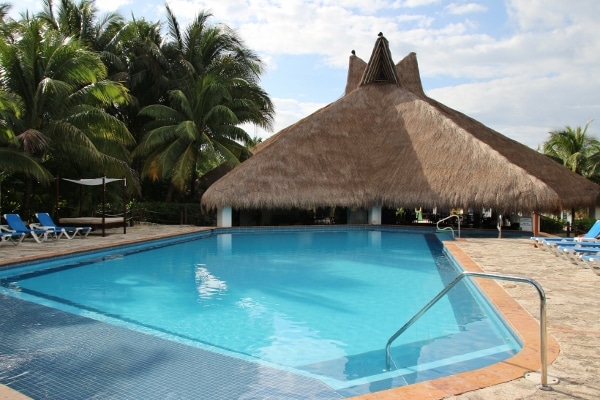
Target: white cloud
[466,8]
[328,28]
[552,14]
[525,83]
[289,111]
[419,3]
[112,5]
[533,71]
[526,108]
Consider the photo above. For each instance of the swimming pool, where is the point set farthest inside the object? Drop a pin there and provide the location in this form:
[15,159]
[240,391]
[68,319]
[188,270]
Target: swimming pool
[319,303]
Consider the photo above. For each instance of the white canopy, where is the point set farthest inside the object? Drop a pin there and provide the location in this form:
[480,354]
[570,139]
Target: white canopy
[93,181]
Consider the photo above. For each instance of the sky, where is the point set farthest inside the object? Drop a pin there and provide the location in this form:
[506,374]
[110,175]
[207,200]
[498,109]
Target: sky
[522,67]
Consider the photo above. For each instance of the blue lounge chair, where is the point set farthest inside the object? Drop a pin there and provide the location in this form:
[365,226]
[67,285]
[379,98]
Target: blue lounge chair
[16,224]
[7,235]
[574,253]
[544,242]
[46,222]
[558,247]
[592,262]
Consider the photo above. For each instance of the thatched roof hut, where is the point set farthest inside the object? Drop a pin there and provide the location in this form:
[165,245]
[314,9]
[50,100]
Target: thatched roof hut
[385,143]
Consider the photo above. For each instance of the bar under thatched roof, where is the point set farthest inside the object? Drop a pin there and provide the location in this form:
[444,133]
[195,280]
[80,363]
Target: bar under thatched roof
[385,143]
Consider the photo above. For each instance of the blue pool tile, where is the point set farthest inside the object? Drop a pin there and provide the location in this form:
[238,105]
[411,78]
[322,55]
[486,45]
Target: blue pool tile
[50,354]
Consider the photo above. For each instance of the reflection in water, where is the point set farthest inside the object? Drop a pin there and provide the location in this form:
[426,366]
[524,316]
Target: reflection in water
[294,344]
[207,284]
[224,244]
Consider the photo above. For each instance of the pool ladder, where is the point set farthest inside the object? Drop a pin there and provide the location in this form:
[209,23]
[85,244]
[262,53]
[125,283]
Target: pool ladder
[544,360]
[448,228]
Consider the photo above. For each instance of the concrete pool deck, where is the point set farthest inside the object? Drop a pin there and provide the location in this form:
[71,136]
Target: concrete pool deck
[573,311]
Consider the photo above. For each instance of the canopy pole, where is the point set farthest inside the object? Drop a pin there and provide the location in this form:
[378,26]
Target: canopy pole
[103,206]
[56,213]
[81,201]
[124,205]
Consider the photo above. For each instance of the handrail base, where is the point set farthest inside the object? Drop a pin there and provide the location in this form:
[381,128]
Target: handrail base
[535,376]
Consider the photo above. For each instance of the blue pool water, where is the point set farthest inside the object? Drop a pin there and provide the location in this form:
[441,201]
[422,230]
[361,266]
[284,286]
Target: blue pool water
[318,303]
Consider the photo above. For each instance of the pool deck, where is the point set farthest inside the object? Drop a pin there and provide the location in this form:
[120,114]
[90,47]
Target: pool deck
[573,316]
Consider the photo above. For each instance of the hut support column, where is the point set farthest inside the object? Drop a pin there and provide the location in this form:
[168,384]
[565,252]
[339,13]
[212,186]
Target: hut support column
[375,215]
[594,212]
[536,224]
[224,218]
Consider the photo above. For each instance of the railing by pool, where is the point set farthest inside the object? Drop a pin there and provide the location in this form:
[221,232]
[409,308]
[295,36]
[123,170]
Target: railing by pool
[449,228]
[544,360]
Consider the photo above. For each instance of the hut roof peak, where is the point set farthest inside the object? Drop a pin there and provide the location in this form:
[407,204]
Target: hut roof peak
[381,68]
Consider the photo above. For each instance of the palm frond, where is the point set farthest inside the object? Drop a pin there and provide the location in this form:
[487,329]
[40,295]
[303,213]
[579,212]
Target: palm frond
[188,129]
[228,155]
[14,161]
[162,113]
[97,124]
[158,138]
[33,141]
[104,93]
[180,102]
[184,168]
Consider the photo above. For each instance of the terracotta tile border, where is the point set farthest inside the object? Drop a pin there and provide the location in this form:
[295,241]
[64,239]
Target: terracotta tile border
[528,359]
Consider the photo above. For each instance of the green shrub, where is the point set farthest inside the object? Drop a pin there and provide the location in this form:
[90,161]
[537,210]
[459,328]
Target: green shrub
[583,225]
[552,225]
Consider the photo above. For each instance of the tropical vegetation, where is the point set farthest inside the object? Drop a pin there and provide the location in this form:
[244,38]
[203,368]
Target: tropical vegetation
[87,95]
[576,150]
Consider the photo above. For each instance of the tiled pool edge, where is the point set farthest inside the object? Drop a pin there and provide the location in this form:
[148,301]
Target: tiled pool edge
[528,359]
[85,247]
[191,232]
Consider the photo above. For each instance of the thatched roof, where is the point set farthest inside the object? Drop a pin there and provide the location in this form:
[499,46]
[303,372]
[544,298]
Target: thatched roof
[385,143]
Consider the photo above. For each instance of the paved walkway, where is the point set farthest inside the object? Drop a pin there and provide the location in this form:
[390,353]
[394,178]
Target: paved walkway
[573,314]
[573,300]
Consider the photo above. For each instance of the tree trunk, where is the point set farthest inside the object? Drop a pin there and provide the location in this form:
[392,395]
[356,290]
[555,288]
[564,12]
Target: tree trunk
[27,195]
[170,193]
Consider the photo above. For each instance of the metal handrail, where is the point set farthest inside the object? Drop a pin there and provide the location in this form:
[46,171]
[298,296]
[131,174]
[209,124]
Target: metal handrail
[544,370]
[437,225]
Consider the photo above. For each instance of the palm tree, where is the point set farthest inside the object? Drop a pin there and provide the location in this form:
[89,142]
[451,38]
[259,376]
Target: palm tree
[198,122]
[216,89]
[6,23]
[575,149]
[13,160]
[142,67]
[62,96]
[81,21]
